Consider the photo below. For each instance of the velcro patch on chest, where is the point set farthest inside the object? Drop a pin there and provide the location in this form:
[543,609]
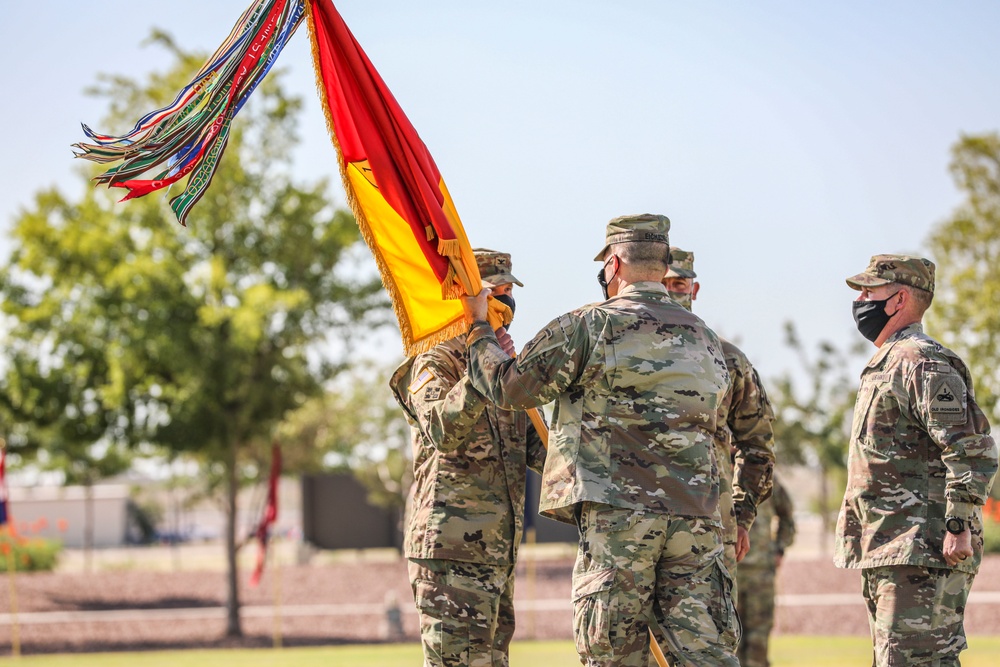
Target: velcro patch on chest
[419,382]
[946,398]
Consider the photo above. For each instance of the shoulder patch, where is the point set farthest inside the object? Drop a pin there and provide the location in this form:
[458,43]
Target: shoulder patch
[552,336]
[423,377]
[946,398]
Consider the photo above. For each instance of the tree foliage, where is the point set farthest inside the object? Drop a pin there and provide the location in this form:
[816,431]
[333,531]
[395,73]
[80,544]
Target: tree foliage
[965,315]
[357,426]
[126,328]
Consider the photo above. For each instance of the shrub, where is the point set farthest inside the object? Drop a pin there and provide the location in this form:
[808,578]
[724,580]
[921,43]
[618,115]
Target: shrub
[28,554]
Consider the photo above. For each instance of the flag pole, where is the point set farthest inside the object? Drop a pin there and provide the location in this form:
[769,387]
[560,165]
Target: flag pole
[7,531]
[276,586]
[15,626]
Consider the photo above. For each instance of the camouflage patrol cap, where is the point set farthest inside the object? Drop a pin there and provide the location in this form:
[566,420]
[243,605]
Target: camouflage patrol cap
[681,264]
[494,267]
[901,269]
[645,227]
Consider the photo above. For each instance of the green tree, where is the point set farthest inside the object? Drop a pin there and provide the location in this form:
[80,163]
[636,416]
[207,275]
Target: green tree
[354,426]
[197,340]
[813,410]
[966,247]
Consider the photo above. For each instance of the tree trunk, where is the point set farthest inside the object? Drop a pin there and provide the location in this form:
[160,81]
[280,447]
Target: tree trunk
[233,628]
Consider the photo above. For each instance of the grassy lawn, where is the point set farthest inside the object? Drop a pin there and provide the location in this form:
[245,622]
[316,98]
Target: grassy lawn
[791,651]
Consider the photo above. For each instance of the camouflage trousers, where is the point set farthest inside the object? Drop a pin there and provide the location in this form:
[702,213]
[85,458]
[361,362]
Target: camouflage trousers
[916,614]
[466,612]
[756,607]
[635,567]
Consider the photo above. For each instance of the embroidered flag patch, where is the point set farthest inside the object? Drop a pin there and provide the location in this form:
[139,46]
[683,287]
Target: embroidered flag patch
[419,382]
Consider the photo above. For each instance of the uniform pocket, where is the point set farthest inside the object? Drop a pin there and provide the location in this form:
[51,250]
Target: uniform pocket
[593,611]
[724,614]
[447,617]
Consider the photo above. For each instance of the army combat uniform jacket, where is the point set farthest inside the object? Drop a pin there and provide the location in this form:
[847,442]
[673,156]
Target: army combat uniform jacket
[469,462]
[773,531]
[745,418]
[920,451]
[637,381]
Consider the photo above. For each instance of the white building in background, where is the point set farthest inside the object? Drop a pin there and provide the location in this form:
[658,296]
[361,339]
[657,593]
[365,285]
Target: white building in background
[58,513]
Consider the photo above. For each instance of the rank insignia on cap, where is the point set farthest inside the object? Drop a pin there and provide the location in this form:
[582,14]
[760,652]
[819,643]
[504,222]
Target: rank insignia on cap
[423,377]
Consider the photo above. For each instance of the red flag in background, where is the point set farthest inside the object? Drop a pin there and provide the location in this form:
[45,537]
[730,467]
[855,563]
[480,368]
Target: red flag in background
[263,531]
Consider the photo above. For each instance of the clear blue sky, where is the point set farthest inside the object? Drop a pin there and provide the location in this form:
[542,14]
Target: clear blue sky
[787,141]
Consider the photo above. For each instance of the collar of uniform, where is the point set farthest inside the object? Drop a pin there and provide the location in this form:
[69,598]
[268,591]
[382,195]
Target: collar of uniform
[905,332]
[644,286]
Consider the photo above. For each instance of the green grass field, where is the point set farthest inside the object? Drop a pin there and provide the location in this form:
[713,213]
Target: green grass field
[791,651]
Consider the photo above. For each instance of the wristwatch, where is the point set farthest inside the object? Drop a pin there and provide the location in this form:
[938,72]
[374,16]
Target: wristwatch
[954,525]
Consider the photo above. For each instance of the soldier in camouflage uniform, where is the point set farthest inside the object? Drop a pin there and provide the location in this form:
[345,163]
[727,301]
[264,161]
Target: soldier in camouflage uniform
[745,417]
[771,534]
[920,465]
[637,381]
[466,512]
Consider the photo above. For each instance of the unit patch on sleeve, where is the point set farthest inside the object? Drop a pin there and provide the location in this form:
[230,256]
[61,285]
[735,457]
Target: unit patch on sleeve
[946,398]
[423,377]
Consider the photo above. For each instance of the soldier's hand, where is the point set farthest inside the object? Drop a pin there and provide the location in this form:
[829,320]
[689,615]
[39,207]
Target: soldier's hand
[506,342]
[475,306]
[742,543]
[957,547]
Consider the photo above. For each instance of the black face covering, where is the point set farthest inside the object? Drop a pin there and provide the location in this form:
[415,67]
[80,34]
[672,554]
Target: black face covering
[507,300]
[602,282]
[871,318]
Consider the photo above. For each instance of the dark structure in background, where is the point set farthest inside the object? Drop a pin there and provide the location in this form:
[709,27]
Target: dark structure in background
[546,530]
[336,514]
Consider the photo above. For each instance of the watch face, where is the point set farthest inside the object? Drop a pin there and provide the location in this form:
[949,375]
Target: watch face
[954,525]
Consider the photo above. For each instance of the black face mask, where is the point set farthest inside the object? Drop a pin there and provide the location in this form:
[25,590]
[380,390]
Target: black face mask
[602,282]
[507,300]
[871,318]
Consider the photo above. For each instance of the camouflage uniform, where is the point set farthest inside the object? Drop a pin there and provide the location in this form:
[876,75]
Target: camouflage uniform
[745,418]
[772,533]
[466,511]
[920,452]
[631,462]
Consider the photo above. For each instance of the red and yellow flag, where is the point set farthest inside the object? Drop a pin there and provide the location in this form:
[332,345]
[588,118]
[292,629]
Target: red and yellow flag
[400,201]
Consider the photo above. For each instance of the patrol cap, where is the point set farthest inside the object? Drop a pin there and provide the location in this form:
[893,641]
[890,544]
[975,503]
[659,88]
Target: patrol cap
[645,227]
[681,264]
[902,269]
[494,267]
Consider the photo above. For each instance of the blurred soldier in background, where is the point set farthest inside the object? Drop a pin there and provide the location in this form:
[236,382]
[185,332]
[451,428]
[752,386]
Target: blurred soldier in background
[466,513]
[745,417]
[772,533]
